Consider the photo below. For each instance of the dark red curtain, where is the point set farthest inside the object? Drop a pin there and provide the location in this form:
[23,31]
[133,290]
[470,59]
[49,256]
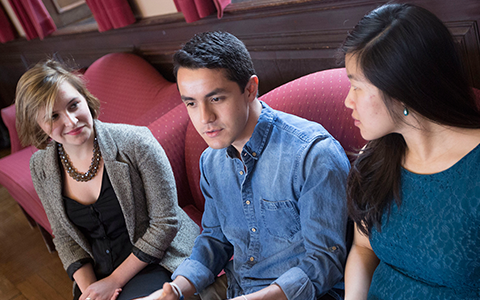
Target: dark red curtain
[111,13]
[34,18]
[6,29]
[194,10]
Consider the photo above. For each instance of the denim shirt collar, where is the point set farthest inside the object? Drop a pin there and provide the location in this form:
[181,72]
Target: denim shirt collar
[255,145]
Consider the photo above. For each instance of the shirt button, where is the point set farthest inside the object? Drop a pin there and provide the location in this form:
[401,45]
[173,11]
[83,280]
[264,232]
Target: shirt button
[241,172]
[108,251]
[254,153]
[252,259]
[248,202]
[244,154]
[254,230]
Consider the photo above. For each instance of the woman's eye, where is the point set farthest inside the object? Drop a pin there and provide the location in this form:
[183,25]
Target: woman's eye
[54,117]
[74,105]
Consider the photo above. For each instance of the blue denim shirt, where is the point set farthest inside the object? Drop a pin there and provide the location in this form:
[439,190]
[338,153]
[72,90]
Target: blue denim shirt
[280,210]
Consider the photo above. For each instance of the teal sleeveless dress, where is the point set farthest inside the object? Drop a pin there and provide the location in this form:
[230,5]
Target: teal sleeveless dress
[429,247]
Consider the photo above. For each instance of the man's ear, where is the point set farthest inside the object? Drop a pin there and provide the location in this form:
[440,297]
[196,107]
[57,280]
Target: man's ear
[252,87]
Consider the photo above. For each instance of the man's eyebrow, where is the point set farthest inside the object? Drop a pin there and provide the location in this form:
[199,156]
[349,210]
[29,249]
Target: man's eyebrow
[186,98]
[212,93]
[215,92]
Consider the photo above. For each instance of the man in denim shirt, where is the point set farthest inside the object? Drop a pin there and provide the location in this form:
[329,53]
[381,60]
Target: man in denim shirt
[274,186]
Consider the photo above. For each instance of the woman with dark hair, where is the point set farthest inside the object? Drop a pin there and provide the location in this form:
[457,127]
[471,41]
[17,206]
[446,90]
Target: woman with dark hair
[413,190]
[108,189]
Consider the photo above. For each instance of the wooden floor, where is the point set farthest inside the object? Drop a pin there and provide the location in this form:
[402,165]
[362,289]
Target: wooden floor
[27,269]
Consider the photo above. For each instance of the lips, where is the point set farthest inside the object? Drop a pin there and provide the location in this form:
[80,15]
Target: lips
[356,122]
[75,131]
[213,133]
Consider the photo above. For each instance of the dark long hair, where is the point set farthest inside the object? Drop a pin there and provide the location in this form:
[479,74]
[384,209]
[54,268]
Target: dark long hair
[410,56]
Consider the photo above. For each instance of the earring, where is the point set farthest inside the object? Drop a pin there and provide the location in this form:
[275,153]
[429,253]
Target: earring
[405,111]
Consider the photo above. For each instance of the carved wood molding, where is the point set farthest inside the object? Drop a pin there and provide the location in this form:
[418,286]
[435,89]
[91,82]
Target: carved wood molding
[466,35]
[286,39]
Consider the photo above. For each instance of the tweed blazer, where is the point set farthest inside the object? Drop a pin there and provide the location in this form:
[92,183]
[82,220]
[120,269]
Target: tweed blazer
[144,184]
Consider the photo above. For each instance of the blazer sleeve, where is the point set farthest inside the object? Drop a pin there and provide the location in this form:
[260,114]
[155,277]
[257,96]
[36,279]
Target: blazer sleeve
[160,194]
[68,249]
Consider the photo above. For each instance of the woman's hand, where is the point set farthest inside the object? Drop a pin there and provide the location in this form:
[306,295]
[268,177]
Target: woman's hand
[105,289]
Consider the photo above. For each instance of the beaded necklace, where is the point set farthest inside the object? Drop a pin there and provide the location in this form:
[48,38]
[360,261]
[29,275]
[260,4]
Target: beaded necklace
[72,171]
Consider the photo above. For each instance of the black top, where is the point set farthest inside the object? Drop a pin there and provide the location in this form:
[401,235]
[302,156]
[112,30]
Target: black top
[103,224]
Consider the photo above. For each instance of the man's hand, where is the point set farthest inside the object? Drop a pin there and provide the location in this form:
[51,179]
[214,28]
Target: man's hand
[271,292]
[167,293]
[105,289]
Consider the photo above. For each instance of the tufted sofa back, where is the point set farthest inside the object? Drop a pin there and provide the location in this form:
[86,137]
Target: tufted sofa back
[130,90]
[320,97]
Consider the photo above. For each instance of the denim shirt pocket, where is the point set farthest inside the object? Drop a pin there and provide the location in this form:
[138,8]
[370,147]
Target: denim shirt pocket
[280,218]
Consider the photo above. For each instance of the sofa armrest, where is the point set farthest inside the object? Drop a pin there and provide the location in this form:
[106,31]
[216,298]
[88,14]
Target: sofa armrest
[8,116]
[15,177]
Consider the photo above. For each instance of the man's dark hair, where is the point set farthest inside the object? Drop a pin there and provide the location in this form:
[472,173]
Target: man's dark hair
[217,50]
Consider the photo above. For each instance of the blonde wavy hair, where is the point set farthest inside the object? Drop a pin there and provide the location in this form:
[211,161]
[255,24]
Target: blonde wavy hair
[37,89]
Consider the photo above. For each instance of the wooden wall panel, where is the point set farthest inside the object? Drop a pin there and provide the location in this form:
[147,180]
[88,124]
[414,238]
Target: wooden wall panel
[287,39]
[466,35]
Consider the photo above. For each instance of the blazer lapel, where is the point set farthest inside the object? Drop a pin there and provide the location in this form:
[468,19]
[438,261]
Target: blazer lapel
[119,174]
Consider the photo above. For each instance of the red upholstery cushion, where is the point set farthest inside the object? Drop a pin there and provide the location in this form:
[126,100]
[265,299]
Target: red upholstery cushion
[8,116]
[476,94]
[194,146]
[194,213]
[170,131]
[169,98]
[15,177]
[320,97]
[130,89]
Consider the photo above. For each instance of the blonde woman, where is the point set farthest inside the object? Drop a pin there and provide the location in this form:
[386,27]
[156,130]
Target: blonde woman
[108,189]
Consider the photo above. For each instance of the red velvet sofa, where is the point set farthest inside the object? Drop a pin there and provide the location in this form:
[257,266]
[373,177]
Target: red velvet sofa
[132,91]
